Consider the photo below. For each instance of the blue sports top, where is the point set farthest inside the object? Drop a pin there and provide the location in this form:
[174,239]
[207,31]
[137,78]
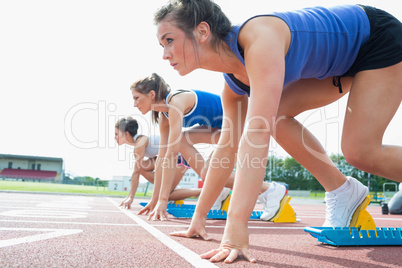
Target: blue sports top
[207,110]
[324,42]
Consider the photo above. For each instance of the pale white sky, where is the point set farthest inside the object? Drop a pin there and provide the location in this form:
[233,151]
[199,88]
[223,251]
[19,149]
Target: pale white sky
[66,68]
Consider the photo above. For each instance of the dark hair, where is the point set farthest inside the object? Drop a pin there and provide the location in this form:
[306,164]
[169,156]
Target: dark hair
[187,14]
[128,124]
[155,83]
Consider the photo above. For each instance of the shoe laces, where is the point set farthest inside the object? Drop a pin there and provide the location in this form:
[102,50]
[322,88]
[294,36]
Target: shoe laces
[331,200]
[262,200]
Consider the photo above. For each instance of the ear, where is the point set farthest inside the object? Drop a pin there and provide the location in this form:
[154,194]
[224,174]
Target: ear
[202,32]
[127,135]
[152,94]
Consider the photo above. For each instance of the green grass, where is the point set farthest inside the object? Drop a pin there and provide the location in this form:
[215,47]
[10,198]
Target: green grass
[60,188]
[79,189]
[318,195]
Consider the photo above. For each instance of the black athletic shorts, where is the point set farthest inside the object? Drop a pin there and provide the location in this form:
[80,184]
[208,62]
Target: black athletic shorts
[384,46]
[182,161]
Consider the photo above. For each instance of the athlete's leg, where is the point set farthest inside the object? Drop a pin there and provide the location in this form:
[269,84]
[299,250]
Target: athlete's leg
[395,204]
[343,195]
[147,169]
[180,194]
[180,170]
[195,135]
[297,140]
[230,181]
[373,100]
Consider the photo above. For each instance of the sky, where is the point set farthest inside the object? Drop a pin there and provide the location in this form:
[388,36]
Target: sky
[66,68]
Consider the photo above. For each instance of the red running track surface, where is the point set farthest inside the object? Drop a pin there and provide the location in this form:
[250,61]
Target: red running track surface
[43,230]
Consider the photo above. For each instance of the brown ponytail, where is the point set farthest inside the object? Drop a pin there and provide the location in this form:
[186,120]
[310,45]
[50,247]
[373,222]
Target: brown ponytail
[155,83]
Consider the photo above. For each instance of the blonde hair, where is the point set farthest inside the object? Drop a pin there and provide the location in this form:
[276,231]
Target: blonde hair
[155,83]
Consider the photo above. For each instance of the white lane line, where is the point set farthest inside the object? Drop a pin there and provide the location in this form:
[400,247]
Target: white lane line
[374,218]
[265,227]
[45,214]
[154,225]
[190,256]
[60,209]
[223,227]
[72,223]
[48,234]
[388,219]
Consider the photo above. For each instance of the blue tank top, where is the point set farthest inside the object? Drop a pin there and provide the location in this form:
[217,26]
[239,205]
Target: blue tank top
[207,110]
[324,42]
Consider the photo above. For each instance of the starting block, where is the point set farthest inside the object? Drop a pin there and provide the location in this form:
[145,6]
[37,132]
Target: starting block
[178,202]
[351,236]
[174,205]
[361,219]
[181,210]
[285,212]
[362,231]
[225,204]
[186,213]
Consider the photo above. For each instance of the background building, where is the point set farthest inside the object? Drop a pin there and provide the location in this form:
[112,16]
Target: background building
[190,180]
[123,183]
[31,168]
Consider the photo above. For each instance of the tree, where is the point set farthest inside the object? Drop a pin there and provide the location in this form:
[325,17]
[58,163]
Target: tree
[288,170]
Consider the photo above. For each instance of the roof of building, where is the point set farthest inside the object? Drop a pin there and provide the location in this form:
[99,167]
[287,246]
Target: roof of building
[43,158]
[27,174]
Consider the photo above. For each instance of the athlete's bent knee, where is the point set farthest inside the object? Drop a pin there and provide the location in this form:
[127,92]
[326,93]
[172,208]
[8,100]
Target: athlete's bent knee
[361,159]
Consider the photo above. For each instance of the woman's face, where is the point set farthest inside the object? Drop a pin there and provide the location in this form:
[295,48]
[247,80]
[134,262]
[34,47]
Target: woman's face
[177,48]
[119,137]
[143,102]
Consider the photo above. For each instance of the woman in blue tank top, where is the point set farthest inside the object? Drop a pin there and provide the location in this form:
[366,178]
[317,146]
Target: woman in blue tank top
[145,153]
[200,112]
[288,63]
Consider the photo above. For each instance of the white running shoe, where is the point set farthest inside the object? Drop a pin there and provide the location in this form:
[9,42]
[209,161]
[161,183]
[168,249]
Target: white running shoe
[272,200]
[341,206]
[222,197]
